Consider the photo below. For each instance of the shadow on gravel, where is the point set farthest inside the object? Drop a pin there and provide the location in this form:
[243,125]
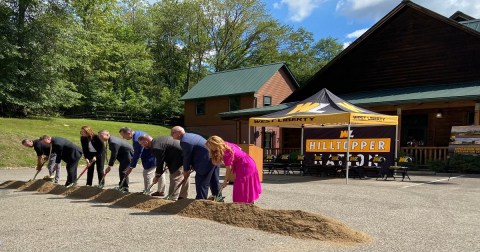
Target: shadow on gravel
[430,182]
[289,179]
[173,207]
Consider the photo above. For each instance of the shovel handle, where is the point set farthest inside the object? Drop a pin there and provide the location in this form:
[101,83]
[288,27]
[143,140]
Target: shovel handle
[38,171]
[176,189]
[84,170]
[34,177]
[103,178]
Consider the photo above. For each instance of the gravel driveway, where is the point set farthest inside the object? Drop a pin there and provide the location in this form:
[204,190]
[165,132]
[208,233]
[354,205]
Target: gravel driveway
[428,213]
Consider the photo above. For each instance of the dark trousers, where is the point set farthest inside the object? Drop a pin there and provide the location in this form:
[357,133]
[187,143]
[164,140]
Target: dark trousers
[123,166]
[99,164]
[204,181]
[71,171]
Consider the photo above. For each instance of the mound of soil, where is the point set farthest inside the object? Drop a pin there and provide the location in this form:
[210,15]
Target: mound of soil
[12,184]
[110,196]
[85,192]
[298,224]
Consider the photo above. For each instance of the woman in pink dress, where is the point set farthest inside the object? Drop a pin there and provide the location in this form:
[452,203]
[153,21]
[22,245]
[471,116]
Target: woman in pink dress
[246,188]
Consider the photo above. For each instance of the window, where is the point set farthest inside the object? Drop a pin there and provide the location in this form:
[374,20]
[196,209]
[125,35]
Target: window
[267,140]
[200,107]
[267,101]
[234,103]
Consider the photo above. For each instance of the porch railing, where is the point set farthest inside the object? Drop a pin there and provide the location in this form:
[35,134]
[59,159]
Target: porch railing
[279,151]
[424,155]
[421,155]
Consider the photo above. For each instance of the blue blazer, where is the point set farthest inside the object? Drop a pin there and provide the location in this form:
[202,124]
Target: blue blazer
[195,153]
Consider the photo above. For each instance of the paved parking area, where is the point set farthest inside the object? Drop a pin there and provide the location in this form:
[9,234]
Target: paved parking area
[428,213]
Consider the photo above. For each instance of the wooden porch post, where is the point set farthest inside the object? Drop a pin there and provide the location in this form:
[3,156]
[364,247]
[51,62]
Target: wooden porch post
[238,127]
[476,117]
[399,128]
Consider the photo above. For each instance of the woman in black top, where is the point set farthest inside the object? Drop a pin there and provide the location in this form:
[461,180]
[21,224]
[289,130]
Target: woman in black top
[94,151]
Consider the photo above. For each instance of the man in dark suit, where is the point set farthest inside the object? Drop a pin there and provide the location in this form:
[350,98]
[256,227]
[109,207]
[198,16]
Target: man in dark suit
[195,157]
[43,154]
[168,150]
[66,151]
[120,150]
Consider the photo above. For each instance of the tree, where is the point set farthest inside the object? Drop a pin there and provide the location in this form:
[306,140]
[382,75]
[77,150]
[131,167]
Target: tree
[32,79]
[237,28]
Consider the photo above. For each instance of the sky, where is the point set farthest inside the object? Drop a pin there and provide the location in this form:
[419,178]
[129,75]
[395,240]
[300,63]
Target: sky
[346,20]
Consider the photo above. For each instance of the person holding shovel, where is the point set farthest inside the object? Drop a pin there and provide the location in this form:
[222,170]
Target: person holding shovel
[246,188]
[68,152]
[148,160]
[195,157]
[44,154]
[93,151]
[168,151]
[120,150]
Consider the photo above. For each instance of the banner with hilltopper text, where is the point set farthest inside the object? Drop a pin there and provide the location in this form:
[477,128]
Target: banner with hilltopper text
[365,142]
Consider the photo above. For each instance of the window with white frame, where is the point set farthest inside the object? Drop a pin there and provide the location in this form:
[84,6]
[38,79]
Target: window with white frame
[267,100]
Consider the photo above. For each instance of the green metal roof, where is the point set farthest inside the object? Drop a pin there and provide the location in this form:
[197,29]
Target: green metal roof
[233,82]
[474,24]
[433,93]
[255,111]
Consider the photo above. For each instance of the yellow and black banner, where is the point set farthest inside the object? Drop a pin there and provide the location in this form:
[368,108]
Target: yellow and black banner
[365,143]
[356,145]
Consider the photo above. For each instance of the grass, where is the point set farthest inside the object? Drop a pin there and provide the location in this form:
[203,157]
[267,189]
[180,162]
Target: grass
[14,130]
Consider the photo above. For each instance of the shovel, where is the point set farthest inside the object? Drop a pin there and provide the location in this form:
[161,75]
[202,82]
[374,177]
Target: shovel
[84,170]
[38,171]
[102,182]
[219,197]
[120,187]
[147,191]
[169,197]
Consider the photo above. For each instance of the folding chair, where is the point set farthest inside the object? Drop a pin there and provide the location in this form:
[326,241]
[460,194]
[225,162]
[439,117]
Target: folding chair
[299,165]
[381,172]
[268,163]
[337,168]
[401,169]
[355,168]
[315,166]
[282,164]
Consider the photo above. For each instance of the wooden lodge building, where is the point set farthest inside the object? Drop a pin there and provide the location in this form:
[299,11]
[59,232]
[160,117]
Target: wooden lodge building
[255,88]
[413,63]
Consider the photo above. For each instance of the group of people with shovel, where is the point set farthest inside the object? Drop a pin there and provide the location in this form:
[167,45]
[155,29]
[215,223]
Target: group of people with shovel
[180,153]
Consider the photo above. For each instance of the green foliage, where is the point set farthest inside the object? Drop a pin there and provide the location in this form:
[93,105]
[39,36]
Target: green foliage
[438,166]
[292,157]
[465,163]
[84,56]
[15,130]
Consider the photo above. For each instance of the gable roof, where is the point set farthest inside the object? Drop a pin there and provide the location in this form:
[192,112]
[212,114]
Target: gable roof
[460,16]
[474,24]
[417,58]
[237,81]
[416,94]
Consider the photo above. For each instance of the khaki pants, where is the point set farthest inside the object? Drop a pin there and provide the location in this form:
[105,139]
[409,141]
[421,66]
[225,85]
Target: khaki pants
[175,179]
[148,175]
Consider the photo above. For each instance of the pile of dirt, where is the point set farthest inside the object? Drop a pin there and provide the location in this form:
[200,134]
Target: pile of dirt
[298,224]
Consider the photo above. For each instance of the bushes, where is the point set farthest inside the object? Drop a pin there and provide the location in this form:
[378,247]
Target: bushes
[458,163]
[465,163]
